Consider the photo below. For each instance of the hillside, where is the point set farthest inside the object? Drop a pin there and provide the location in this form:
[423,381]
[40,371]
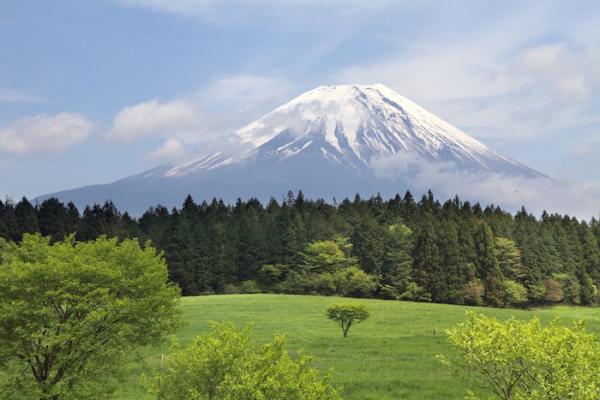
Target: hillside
[391,356]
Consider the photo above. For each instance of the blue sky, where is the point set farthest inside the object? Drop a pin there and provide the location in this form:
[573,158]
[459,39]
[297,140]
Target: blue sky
[93,91]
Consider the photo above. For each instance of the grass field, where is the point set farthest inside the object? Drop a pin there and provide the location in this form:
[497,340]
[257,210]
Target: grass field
[390,356]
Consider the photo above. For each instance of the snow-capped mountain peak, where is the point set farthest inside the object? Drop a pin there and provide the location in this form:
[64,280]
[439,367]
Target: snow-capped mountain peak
[354,125]
[330,142]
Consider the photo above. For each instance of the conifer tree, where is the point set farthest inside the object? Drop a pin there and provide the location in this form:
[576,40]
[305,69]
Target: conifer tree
[26,218]
[426,256]
[451,276]
[52,218]
[487,265]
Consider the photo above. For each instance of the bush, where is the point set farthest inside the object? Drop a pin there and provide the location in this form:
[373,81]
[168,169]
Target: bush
[473,293]
[514,293]
[231,288]
[415,292]
[554,291]
[347,315]
[223,365]
[524,360]
[249,287]
[353,282]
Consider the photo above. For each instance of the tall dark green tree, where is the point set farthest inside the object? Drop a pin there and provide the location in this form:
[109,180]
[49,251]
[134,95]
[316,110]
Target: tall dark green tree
[453,272]
[26,218]
[487,265]
[427,259]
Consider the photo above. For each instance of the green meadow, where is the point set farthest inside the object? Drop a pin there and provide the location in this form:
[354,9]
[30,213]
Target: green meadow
[390,356]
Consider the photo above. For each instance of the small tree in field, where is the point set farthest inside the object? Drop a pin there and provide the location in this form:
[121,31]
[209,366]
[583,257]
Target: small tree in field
[519,360]
[71,313]
[224,365]
[347,315]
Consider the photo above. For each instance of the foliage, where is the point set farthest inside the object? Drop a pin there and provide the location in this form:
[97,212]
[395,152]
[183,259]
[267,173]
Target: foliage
[223,365]
[474,292]
[347,315]
[325,256]
[515,294]
[518,360]
[422,250]
[70,313]
[554,291]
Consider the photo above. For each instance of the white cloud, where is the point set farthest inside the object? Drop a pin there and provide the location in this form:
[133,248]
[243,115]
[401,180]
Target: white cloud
[44,133]
[488,91]
[201,122]
[579,199]
[153,118]
[172,150]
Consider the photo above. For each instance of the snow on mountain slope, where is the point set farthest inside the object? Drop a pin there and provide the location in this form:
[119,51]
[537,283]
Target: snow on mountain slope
[356,125]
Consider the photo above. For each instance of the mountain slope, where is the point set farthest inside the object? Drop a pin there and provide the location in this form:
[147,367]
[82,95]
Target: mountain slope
[332,141]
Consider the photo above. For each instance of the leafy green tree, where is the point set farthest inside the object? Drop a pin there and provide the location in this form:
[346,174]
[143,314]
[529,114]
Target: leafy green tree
[70,313]
[519,360]
[224,365]
[515,294]
[347,315]
[509,258]
[353,282]
[325,256]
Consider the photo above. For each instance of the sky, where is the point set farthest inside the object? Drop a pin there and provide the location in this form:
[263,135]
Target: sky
[93,91]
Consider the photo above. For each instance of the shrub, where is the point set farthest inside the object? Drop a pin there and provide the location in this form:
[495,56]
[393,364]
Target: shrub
[514,293]
[521,360]
[473,293]
[554,291]
[223,364]
[415,292]
[347,315]
[231,288]
[354,282]
[249,287]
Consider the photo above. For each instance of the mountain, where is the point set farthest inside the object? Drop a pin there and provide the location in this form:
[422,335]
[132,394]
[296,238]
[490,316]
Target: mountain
[332,141]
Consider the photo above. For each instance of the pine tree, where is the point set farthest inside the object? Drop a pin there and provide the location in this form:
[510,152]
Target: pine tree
[453,272]
[26,218]
[487,266]
[52,219]
[426,256]
[368,240]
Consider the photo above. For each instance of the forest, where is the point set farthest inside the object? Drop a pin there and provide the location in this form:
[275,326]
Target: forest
[453,252]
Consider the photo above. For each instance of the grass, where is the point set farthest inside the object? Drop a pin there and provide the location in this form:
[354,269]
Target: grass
[390,356]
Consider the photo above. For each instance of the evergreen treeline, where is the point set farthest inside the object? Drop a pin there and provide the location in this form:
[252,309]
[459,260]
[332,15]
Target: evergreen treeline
[455,252]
